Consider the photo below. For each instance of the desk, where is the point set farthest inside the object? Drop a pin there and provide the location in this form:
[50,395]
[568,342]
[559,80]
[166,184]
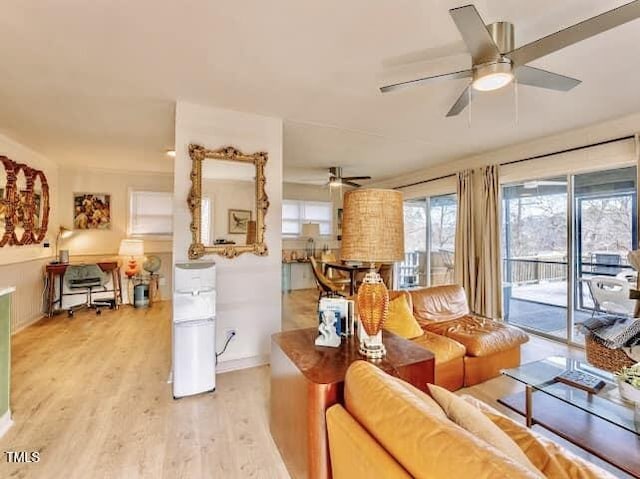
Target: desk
[351,269]
[58,269]
[306,380]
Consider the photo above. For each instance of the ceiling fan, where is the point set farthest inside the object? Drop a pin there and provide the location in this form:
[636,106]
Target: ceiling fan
[336,178]
[495,62]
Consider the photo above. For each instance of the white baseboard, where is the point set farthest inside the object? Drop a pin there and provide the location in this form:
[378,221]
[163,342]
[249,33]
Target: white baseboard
[243,363]
[5,422]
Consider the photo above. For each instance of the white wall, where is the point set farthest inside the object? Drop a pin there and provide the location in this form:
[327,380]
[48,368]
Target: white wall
[249,298]
[609,156]
[117,184]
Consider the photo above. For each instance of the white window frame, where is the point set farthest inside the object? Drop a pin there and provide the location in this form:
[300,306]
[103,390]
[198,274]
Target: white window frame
[302,219]
[168,236]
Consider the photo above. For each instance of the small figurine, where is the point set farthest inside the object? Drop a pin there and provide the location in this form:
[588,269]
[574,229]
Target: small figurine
[327,330]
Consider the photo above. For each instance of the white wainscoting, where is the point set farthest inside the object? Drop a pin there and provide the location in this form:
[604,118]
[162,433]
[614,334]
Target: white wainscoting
[27,301]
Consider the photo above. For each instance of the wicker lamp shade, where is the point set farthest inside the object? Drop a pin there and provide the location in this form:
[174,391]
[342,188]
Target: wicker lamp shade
[373,226]
[373,232]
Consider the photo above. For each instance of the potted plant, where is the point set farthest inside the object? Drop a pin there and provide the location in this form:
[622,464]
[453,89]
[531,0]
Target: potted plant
[629,383]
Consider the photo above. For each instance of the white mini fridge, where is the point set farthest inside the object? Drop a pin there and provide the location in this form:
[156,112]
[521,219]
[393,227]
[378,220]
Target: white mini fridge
[194,329]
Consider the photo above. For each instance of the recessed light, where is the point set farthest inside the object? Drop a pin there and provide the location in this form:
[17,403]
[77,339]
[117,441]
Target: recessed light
[171,153]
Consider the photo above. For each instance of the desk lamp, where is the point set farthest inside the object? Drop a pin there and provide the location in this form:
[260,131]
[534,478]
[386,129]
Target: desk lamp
[373,232]
[63,233]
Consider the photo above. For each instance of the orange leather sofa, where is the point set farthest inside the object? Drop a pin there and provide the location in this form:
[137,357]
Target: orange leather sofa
[388,429]
[469,349]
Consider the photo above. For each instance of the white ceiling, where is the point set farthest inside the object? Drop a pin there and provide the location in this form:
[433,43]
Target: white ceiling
[95,83]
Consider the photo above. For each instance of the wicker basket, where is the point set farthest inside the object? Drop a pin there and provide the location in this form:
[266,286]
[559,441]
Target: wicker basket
[604,358]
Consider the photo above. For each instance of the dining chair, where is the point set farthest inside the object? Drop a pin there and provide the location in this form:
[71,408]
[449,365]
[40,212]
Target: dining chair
[611,295]
[325,285]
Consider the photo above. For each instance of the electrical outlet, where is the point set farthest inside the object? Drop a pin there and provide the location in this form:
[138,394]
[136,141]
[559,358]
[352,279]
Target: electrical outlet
[162,281]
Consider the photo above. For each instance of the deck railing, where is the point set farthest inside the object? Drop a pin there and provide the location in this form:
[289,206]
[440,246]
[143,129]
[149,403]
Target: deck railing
[532,271]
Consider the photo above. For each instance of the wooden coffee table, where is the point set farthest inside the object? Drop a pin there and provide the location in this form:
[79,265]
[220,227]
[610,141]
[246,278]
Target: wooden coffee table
[602,424]
[307,379]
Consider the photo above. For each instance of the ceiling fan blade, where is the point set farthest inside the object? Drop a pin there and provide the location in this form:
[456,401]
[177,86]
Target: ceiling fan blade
[351,183]
[575,33]
[356,178]
[461,103]
[475,34]
[421,81]
[527,75]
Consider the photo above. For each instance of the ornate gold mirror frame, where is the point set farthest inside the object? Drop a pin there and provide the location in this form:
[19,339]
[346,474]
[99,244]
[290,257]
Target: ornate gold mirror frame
[198,154]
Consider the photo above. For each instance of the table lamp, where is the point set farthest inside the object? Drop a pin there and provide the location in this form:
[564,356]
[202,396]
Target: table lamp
[311,231]
[373,232]
[132,248]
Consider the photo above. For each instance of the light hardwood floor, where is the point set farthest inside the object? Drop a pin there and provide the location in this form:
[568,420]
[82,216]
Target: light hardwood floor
[91,395]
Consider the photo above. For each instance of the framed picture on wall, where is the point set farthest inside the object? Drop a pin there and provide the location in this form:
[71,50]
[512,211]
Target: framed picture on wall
[239,221]
[91,211]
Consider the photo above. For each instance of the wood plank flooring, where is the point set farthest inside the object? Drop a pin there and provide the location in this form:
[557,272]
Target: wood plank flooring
[91,395]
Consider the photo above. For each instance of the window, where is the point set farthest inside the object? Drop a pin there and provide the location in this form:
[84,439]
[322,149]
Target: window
[295,213]
[429,241]
[150,213]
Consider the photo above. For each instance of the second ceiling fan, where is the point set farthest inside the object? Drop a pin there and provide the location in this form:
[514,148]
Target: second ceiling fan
[495,62]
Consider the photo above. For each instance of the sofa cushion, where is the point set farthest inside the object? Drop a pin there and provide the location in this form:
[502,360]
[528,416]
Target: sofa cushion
[443,348]
[439,303]
[473,420]
[553,460]
[426,445]
[480,336]
[347,439]
[401,321]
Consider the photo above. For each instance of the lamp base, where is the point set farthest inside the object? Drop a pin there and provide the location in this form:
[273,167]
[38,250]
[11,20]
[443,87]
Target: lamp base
[132,268]
[373,308]
[371,347]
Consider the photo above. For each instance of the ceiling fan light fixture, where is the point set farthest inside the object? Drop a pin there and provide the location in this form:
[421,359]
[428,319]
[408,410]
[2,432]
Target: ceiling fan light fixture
[492,76]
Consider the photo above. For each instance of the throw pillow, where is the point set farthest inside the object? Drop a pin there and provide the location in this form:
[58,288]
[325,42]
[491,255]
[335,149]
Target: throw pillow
[473,420]
[401,321]
[553,460]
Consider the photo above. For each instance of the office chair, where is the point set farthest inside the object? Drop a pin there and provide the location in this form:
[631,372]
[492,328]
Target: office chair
[87,279]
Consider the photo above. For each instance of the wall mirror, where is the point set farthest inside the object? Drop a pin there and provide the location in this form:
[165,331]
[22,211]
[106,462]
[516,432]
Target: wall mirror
[228,202]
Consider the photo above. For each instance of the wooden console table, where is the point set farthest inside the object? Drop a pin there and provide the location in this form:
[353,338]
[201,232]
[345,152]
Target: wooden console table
[58,269]
[307,379]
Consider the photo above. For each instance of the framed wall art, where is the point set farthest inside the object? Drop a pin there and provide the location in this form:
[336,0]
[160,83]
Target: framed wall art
[239,221]
[91,211]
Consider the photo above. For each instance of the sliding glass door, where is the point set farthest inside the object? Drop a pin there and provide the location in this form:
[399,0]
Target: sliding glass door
[605,232]
[442,223]
[430,228]
[412,272]
[535,255]
[559,233]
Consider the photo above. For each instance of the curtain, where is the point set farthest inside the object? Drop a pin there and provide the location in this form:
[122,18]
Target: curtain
[478,265]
